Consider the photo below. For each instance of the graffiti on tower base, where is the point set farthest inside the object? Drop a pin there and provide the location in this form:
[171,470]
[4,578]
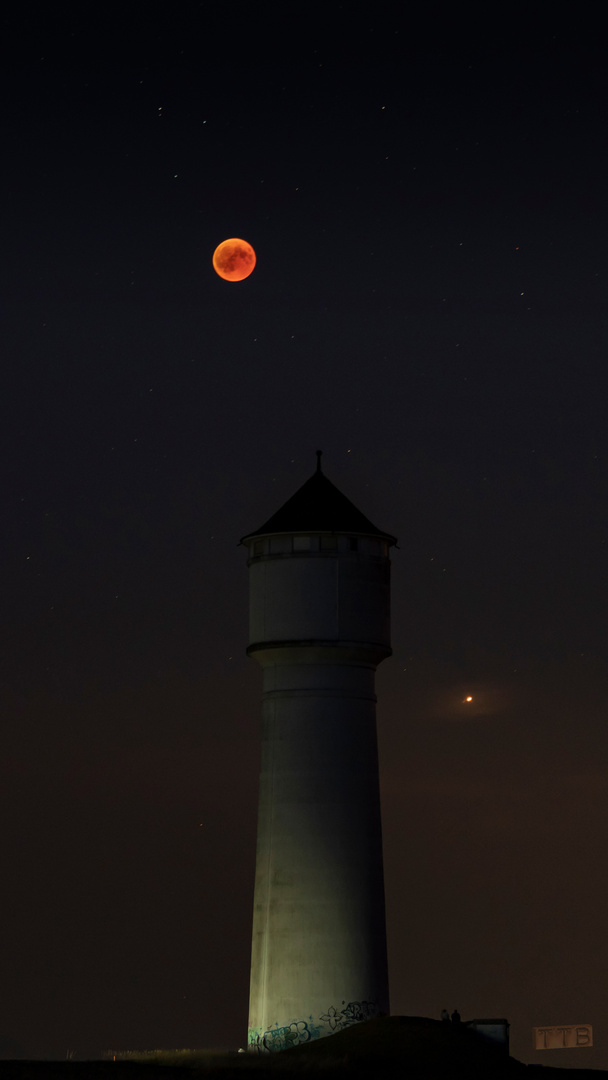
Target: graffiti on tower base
[302,1031]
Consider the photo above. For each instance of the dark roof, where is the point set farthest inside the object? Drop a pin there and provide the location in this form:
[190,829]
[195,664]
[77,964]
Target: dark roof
[318,506]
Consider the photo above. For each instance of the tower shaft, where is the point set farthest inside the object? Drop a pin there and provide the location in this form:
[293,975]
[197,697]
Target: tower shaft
[319,939]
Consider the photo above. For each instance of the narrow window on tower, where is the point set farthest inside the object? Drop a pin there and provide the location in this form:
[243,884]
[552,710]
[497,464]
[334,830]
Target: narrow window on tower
[301,543]
[329,543]
[280,545]
[258,547]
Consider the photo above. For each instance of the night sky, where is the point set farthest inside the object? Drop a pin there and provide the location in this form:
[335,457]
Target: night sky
[426,196]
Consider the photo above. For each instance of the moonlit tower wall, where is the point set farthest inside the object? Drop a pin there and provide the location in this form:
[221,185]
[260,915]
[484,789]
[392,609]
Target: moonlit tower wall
[319,626]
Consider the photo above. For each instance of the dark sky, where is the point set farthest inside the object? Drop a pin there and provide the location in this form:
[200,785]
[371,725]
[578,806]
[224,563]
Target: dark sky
[427,200]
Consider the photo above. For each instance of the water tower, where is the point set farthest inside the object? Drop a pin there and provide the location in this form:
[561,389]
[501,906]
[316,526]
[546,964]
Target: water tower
[319,575]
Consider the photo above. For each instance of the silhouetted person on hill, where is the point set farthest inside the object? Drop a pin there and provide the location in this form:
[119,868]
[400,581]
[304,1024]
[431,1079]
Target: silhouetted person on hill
[455,1017]
[445,1016]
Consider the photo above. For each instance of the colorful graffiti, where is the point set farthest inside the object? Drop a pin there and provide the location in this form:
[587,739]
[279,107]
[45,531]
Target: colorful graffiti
[302,1031]
[281,1038]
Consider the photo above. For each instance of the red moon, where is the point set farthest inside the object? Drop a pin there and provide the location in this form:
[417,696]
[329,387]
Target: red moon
[234,260]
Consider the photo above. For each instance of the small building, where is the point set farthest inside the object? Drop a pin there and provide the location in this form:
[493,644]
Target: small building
[495,1032]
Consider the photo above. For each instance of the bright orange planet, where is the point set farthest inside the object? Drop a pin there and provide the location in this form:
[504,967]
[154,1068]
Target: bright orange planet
[234,260]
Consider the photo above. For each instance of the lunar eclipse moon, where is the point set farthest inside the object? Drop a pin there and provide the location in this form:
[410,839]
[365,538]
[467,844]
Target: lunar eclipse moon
[234,260]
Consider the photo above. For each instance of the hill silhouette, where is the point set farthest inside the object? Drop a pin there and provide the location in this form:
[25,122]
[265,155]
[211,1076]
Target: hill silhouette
[411,1047]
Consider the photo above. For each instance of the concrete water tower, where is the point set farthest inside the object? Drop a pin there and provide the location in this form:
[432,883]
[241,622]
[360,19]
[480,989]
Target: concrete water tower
[319,627]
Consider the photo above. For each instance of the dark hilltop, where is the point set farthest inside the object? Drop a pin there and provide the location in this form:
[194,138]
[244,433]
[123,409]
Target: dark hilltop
[413,1047]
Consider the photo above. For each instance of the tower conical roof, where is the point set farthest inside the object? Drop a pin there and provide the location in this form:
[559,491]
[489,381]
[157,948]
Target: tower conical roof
[318,506]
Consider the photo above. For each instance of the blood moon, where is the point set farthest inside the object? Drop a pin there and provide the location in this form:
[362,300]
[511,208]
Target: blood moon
[234,260]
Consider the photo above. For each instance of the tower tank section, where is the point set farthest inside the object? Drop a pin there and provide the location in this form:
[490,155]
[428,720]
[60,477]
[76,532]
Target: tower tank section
[319,574]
